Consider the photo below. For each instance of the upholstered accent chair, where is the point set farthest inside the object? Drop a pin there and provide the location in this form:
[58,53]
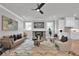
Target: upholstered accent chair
[64,46]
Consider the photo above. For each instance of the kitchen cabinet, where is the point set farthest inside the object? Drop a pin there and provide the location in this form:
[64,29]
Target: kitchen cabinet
[70,22]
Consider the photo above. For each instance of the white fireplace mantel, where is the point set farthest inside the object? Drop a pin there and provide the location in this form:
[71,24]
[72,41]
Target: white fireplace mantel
[39,30]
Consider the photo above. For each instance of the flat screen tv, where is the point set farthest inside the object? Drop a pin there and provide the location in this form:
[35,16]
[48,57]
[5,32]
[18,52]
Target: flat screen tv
[38,24]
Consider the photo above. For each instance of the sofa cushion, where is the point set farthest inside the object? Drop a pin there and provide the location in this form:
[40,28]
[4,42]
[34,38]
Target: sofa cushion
[7,42]
[15,37]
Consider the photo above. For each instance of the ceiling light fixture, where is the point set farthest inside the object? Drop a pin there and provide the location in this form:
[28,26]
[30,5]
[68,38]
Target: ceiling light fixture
[39,8]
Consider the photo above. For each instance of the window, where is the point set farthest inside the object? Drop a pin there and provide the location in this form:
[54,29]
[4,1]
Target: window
[49,25]
[28,26]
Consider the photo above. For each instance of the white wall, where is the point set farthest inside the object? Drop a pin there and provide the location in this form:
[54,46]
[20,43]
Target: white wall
[20,23]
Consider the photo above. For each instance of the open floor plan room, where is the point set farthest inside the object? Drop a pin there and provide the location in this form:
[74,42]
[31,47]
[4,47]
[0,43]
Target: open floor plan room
[39,29]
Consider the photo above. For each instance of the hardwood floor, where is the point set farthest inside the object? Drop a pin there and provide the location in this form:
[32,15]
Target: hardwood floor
[75,47]
[45,49]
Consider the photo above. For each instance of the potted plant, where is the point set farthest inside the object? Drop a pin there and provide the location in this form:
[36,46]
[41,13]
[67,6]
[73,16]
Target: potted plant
[50,33]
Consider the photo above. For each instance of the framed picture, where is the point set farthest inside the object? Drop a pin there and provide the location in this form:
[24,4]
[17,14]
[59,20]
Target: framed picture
[38,24]
[9,24]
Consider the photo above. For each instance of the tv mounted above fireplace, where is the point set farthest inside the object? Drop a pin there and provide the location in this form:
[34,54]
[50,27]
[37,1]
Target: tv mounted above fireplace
[38,24]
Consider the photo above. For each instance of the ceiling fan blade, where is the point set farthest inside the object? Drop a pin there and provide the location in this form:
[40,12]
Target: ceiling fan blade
[41,12]
[40,6]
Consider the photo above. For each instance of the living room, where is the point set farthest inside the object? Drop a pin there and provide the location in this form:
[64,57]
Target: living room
[21,28]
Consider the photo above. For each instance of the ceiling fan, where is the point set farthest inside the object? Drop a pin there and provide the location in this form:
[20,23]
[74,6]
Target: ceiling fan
[39,8]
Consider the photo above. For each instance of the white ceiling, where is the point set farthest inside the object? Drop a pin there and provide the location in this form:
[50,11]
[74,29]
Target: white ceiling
[49,9]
